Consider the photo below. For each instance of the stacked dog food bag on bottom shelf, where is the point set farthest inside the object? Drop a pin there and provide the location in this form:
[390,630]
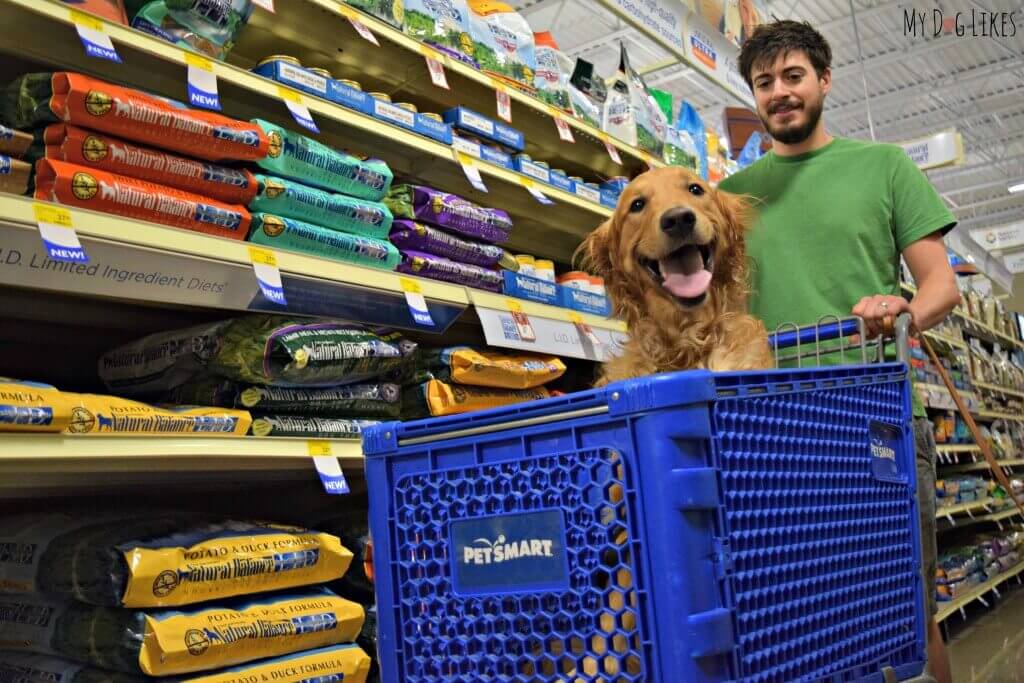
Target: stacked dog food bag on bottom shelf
[986,556]
[298,377]
[175,595]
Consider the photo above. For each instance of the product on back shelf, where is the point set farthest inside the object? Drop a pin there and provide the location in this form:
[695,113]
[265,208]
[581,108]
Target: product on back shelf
[449,211]
[97,150]
[553,70]
[629,112]
[90,188]
[587,93]
[14,143]
[474,124]
[484,368]
[690,125]
[452,399]
[290,199]
[391,11]
[165,642]
[504,41]
[111,10]
[163,560]
[307,426]
[206,26]
[307,161]
[352,527]
[32,407]
[43,98]
[440,268]
[377,400]
[14,175]
[288,233]
[443,24]
[410,235]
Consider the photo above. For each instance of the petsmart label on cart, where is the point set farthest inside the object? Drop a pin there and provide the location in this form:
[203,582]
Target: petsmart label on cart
[509,553]
[885,442]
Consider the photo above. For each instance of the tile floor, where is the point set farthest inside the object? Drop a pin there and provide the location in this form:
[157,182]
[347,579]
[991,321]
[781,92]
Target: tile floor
[989,647]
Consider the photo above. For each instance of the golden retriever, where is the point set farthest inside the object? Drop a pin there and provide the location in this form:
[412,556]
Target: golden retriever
[674,263]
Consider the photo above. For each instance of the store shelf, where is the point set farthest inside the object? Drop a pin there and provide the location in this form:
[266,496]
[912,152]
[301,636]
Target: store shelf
[964,508]
[317,32]
[939,337]
[974,326]
[995,415]
[999,390]
[978,466]
[947,609]
[958,448]
[150,63]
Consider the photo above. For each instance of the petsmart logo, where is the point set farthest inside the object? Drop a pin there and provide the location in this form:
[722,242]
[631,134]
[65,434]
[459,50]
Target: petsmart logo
[880,450]
[484,551]
[702,50]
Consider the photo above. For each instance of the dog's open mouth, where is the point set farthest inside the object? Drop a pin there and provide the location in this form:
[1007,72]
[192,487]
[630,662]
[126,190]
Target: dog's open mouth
[685,273]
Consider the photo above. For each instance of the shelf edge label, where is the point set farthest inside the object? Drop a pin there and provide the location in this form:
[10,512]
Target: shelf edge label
[268,277]
[470,169]
[297,109]
[58,234]
[417,304]
[94,39]
[202,82]
[532,188]
[504,102]
[436,67]
[328,467]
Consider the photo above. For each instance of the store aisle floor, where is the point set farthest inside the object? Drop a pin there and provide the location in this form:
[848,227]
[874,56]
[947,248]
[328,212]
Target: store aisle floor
[991,648]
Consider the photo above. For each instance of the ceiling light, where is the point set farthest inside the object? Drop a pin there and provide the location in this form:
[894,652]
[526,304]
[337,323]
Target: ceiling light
[1019,187]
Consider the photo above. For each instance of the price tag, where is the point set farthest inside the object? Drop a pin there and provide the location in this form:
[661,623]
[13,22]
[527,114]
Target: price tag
[585,330]
[328,467]
[471,171]
[94,39]
[532,188]
[299,111]
[360,27]
[521,320]
[504,102]
[564,131]
[612,150]
[202,82]
[58,234]
[417,304]
[436,68]
[268,277]
[265,4]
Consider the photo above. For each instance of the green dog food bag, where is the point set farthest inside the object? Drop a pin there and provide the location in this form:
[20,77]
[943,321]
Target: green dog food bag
[367,400]
[310,427]
[288,233]
[290,199]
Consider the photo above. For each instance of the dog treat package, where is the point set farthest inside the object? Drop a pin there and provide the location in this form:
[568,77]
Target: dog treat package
[307,161]
[410,235]
[442,398]
[440,268]
[97,150]
[288,233]
[504,42]
[14,143]
[44,98]
[443,24]
[90,188]
[450,212]
[167,643]
[290,199]
[96,414]
[207,27]
[32,407]
[390,11]
[484,368]
[163,560]
[629,112]
[310,427]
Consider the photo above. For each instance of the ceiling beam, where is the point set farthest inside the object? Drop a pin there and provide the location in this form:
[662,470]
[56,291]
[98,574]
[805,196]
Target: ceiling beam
[1015,108]
[992,218]
[989,202]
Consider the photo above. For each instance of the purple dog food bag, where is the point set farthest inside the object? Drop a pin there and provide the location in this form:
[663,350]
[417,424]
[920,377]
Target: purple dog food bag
[410,235]
[440,268]
[449,211]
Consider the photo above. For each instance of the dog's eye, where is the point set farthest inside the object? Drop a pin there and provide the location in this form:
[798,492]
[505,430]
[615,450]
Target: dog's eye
[696,190]
[637,205]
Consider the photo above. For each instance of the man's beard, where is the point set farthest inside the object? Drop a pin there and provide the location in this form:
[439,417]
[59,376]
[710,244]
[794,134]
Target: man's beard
[789,135]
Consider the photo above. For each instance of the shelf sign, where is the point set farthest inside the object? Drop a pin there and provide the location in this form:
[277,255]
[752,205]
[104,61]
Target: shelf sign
[268,277]
[612,150]
[532,188]
[585,330]
[58,234]
[436,68]
[417,304]
[94,39]
[522,322]
[328,467]
[564,131]
[202,82]
[935,151]
[471,171]
[299,111]
[359,26]
[504,102]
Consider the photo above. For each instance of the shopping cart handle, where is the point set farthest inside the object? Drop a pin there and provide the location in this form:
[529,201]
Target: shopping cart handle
[786,338]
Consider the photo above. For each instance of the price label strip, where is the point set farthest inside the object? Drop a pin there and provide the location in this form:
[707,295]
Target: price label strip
[299,111]
[612,150]
[202,82]
[564,131]
[360,27]
[504,102]
[328,467]
[586,332]
[532,188]
[436,67]
[470,169]
[417,304]
[265,4]
[521,320]
[268,277]
[58,234]
[94,39]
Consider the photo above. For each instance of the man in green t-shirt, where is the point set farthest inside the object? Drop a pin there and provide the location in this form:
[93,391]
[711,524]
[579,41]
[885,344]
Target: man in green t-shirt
[834,217]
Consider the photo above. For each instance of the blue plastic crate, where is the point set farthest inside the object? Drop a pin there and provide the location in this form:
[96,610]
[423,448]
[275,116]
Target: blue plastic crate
[686,527]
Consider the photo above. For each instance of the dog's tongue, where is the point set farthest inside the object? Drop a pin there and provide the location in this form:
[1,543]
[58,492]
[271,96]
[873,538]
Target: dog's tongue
[683,273]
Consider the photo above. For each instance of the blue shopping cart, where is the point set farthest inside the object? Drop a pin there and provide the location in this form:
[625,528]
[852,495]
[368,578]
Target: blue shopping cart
[685,527]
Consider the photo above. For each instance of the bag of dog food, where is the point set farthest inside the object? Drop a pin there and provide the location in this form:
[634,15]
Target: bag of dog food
[484,368]
[442,398]
[691,126]
[32,407]
[111,10]
[450,212]
[440,268]
[201,25]
[290,199]
[288,233]
[90,188]
[443,24]
[162,560]
[352,527]
[165,643]
[44,98]
[95,414]
[504,42]
[587,93]
[410,235]
[96,150]
[14,143]
[629,112]
[305,160]
[310,427]
[390,11]
[553,70]
[377,400]
[25,667]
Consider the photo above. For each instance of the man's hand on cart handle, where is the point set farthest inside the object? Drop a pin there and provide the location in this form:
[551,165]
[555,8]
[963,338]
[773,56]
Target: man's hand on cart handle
[879,313]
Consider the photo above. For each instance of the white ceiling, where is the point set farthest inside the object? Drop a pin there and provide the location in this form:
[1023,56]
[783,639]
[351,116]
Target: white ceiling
[916,86]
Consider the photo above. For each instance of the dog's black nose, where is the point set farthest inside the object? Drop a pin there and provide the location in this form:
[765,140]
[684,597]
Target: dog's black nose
[678,222]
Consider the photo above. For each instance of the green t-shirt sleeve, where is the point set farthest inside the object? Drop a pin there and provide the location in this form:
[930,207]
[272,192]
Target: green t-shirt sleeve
[917,209]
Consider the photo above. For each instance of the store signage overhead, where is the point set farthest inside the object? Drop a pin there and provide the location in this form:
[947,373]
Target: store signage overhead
[935,151]
[1015,262]
[1000,236]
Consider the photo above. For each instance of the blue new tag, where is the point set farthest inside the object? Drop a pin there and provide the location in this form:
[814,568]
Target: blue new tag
[886,441]
[511,553]
[202,83]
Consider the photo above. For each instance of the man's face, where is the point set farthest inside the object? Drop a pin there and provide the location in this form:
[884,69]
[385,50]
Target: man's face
[790,96]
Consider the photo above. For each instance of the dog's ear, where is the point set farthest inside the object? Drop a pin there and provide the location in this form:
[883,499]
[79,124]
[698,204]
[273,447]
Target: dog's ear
[737,210]
[594,254]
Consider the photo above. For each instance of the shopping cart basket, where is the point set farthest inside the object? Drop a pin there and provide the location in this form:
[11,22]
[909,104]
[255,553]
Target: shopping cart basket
[684,527]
